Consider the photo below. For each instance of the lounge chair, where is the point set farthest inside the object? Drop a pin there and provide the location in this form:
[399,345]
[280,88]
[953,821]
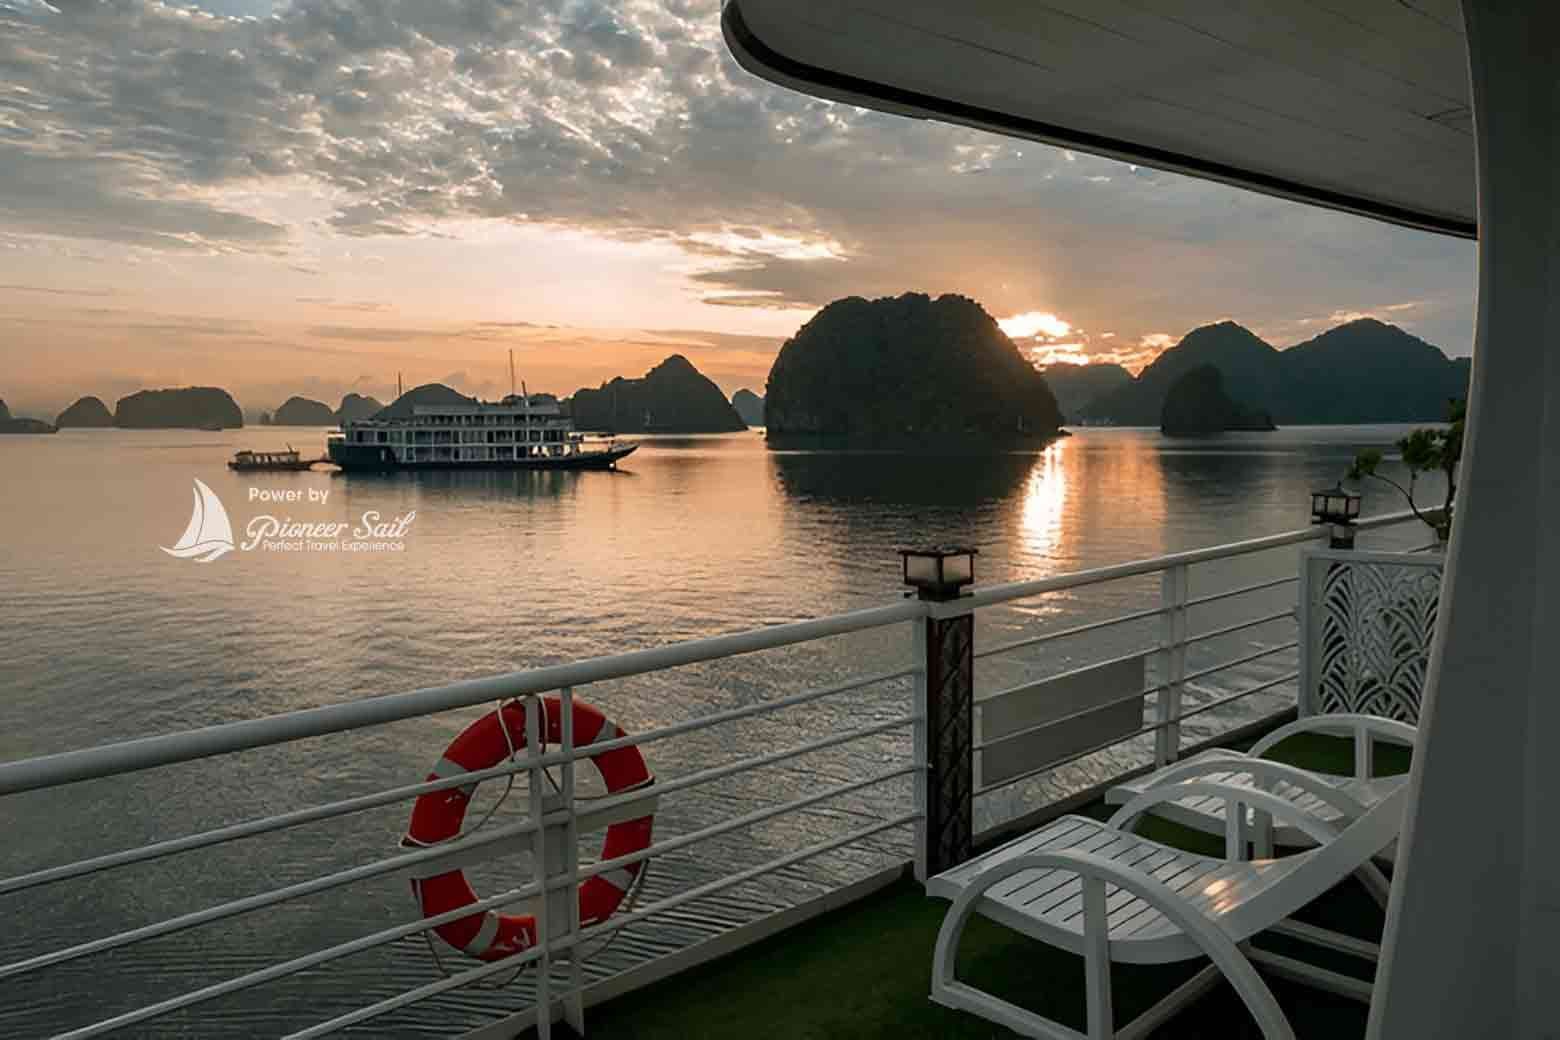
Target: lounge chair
[1342,799]
[1101,891]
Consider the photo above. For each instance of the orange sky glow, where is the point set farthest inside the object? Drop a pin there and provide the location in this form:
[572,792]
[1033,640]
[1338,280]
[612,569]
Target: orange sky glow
[594,186]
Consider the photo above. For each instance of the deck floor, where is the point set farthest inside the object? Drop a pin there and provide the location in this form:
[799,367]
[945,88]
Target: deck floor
[863,970]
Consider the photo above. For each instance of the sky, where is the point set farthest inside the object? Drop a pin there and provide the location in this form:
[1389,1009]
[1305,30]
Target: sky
[312,197]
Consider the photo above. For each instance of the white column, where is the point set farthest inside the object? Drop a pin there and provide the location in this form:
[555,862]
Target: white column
[1472,931]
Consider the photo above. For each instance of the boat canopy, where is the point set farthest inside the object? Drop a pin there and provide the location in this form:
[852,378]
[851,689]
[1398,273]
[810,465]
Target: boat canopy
[1358,105]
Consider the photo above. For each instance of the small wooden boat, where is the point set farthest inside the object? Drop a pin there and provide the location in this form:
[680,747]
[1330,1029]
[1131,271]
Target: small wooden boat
[269,460]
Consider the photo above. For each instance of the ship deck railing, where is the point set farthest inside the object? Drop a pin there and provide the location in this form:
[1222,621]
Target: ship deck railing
[1041,626]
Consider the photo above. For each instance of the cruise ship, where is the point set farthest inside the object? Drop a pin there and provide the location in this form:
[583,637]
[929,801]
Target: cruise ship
[520,432]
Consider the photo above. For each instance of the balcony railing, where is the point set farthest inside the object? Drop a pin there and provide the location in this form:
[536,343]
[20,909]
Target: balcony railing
[1071,697]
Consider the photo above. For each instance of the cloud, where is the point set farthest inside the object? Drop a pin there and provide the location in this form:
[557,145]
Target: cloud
[53,291]
[148,124]
[366,306]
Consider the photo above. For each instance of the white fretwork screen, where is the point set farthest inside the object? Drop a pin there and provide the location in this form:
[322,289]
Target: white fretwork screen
[1366,620]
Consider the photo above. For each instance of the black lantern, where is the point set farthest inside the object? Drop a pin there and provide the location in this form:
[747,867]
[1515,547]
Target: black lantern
[939,573]
[1339,507]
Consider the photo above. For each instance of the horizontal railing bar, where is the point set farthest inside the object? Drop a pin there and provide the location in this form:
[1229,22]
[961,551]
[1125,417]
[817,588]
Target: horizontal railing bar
[330,810]
[731,714]
[611,924]
[1046,637]
[705,776]
[303,963]
[995,594]
[1232,698]
[715,830]
[1009,691]
[1214,597]
[1142,731]
[252,828]
[148,752]
[1057,763]
[1247,659]
[282,970]
[260,901]
[1037,727]
[1278,615]
[399,862]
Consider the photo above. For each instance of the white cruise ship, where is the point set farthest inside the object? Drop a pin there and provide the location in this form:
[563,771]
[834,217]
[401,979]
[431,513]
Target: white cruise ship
[519,432]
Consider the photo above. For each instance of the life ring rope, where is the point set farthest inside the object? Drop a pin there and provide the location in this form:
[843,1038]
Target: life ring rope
[437,818]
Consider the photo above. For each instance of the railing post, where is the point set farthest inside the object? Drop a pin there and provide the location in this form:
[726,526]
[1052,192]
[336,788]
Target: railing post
[573,999]
[537,776]
[1173,597]
[948,636]
[555,856]
[945,702]
[919,744]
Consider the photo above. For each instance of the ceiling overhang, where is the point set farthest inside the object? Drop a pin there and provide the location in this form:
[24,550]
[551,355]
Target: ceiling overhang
[1355,105]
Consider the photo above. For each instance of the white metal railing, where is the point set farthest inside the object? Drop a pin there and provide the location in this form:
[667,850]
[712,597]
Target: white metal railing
[560,942]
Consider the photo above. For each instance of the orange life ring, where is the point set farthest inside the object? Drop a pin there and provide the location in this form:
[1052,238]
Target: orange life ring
[438,815]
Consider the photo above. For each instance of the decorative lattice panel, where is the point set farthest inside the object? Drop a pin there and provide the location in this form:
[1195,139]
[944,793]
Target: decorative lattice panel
[1368,619]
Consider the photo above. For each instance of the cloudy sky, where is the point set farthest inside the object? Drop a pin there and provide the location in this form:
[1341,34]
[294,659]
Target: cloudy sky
[311,196]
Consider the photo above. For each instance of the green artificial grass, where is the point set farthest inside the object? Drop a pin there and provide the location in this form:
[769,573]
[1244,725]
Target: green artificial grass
[864,970]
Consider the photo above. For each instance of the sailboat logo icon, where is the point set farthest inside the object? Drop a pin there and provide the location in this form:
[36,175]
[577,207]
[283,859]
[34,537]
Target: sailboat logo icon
[209,534]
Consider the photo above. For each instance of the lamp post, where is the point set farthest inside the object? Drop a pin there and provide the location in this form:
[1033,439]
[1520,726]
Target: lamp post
[940,576]
[1338,507]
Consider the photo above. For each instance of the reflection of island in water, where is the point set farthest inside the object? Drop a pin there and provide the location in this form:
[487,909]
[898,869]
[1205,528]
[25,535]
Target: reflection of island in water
[902,478]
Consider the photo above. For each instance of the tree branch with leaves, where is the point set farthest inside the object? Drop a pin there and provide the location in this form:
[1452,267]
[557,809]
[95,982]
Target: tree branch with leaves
[1427,450]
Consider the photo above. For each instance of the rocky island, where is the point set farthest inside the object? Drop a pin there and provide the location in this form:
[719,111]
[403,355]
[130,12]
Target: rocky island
[1197,403]
[11,424]
[906,367]
[427,394]
[1077,385]
[88,412]
[1364,371]
[673,397]
[190,407]
[356,406]
[749,406]
[300,411]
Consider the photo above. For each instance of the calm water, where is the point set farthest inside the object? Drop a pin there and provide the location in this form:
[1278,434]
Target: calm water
[104,637]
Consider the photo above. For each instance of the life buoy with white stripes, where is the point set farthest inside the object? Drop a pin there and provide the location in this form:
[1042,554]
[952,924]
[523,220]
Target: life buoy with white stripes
[438,815]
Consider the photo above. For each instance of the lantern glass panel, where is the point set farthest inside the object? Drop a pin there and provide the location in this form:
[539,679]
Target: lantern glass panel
[958,569]
[920,570]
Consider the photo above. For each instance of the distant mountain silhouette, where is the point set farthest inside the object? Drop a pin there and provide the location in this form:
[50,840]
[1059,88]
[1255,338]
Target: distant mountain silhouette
[186,407]
[86,412]
[1368,371]
[906,366]
[356,406]
[1248,365]
[301,411]
[12,424]
[1363,372]
[1076,385]
[749,406]
[1197,403]
[427,394]
[673,397]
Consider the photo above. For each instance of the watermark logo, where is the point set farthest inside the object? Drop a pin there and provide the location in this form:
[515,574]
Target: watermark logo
[209,534]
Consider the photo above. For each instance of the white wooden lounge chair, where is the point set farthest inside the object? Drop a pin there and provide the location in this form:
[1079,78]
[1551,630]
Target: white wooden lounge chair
[1339,800]
[1100,891]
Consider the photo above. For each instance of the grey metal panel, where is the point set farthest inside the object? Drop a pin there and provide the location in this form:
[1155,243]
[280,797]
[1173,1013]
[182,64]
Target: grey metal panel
[1087,694]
